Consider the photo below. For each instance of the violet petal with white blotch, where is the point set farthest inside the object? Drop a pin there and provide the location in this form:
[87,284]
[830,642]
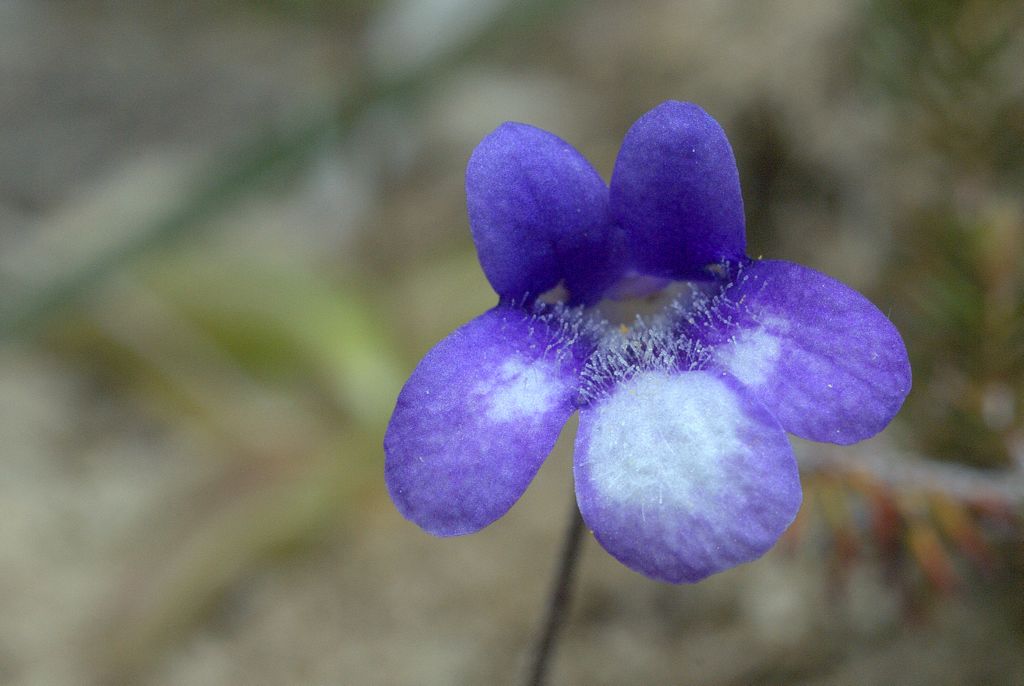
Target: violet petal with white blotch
[476,420]
[826,361]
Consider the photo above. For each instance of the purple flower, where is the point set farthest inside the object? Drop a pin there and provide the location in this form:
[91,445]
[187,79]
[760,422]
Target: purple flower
[682,465]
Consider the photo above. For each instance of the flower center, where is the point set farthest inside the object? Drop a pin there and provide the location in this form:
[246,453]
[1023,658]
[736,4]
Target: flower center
[642,335]
[644,324]
[624,306]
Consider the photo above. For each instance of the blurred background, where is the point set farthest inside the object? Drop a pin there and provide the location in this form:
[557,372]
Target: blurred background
[229,230]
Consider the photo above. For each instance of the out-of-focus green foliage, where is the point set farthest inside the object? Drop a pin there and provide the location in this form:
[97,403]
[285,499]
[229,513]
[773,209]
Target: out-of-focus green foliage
[288,326]
[963,276]
[944,69]
[287,379]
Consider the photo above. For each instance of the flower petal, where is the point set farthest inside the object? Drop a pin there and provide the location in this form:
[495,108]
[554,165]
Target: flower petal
[676,192]
[830,365]
[539,214]
[683,475]
[476,420]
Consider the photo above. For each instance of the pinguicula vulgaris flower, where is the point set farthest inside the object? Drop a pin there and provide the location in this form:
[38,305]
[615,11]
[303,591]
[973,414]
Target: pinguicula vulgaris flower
[682,465]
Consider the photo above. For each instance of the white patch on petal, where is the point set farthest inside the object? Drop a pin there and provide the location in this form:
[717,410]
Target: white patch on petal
[520,389]
[667,439]
[752,355]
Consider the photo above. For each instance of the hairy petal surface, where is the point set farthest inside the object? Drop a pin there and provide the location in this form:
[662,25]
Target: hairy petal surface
[676,193]
[830,365]
[476,419]
[682,475]
[539,215]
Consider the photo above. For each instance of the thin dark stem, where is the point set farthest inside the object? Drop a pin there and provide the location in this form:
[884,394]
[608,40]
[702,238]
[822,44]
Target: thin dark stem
[558,601]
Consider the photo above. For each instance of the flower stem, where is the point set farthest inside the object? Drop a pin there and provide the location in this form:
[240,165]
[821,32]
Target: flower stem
[558,600]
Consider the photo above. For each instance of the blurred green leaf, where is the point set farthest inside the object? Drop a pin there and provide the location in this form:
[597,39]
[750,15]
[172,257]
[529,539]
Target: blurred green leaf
[292,324]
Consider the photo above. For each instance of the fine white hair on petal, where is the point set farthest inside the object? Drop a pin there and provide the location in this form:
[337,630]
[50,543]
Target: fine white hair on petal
[570,328]
[654,345]
[684,337]
[717,309]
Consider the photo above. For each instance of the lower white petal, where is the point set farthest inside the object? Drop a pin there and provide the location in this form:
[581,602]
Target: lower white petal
[681,475]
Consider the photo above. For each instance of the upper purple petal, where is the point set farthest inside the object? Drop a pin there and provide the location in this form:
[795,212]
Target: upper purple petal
[675,192]
[827,362]
[539,215]
[682,475]
[476,420]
